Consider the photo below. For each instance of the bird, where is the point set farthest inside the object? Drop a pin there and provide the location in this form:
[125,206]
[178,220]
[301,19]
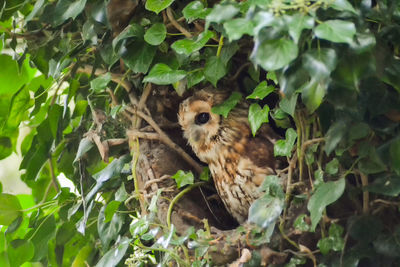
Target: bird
[238,161]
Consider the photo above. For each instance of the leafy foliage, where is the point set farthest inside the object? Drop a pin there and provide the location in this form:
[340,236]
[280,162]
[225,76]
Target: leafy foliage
[325,72]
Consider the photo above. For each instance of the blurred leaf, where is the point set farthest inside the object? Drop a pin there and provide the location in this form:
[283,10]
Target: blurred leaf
[188,46]
[84,146]
[265,210]
[82,258]
[20,104]
[10,209]
[158,5]
[41,236]
[100,83]
[195,10]
[162,74]
[154,199]
[261,91]
[20,251]
[132,30]
[332,167]
[275,54]
[109,230]
[115,254]
[139,227]
[205,174]
[364,228]
[257,116]
[342,5]
[284,147]
[156,34]
[388,185]
[214,69]
[334,136]
[224,108]
[236,28]
[297,23]
[338,31]
[110,210]
[183,178]
[395,155]
[165,240]
[301,224]
[221,13]
[288,104]
[324,195]
[320,63]
[313,94]
[66,9]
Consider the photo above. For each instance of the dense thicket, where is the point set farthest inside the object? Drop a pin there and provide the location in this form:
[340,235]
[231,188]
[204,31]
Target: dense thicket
[98,84]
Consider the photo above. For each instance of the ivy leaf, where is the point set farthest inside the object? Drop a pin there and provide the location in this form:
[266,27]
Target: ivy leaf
[205,174]
[257,116]
[320,63]
[394,152]
[334,136]
[236,28]
[115,255]
[9,209]
[274,54]
[288,104]
[224,108]
[332,167]
[338,31]
[100,83]
[66,9]
[156,34]
[284,147]
[265,210]
[183,178]
[221,13]
[214,69]
[313,94]
[162,74]
[139,55]
[261,91]
[110,210]
[385,185]
[158,5]
[195,10]
[188,46]
[301,224]
[325,194]
[333,242]
[343,5]
[297,23]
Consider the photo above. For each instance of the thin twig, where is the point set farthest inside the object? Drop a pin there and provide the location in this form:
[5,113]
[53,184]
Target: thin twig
[144,135]
[177,25]
[142,102]
[241,68]
[166,140]
[364,182]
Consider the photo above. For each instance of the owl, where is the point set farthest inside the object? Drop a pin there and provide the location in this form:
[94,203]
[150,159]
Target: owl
[238,162]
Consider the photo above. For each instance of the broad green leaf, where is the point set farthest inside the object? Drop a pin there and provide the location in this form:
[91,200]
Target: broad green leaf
[342,5]
[20,251]
[12,78]
[297,23]
[6,147]
[261,91]
[10,209]
[132,30]
[236,28]
[271,75]
[188,46]
[115,254]
[41,235]
[265,210]
[395,155]
[20,104]
[338,31]
[158,5]
[162,74]
[139,227]
[194,78]
[320,63]
[66,9]
[257,116]
[38,7]
[195,10]
[214,69]
[312,94]
[109,230]
[100,83]
[301,224]
[156,34]
[284,147]
[288,104]
[83,256]
[365,228]
[139,56]
[221,13]
[334,241]
[275,54]
[224,108]
[84,146]
[183,178]
[388,185]
[326,194]
[110,210]
[205,174]
[334,136]
[332,167]
[54,117]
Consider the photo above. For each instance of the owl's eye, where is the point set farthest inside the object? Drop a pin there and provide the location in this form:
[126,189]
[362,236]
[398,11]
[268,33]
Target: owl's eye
[202,118]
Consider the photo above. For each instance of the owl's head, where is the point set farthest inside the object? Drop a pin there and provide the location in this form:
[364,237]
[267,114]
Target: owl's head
[199,124]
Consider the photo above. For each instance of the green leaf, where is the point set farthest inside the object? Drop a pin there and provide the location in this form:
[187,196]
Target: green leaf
[84,146]
[332,167]
[66,9]
[221,13]
[257,116]
[288,104]
[162,74]
[297,23]
[139,227]
[115,255]
[9,209]
[320,63]
[132,30]
[342,5]
[156,34]
[312,94]
[195,10]
[394,151]
[205,174]
[261,91]
[301,224]
[334,136]
[20,104]
[100,83]
[265,210]
[284,147]
[338,31]
[183,178]
[158,5]
[139,56]
[188,46]
[236,28]
[334,242]
[214,69]
[224,108]
[325,194]
[275,54]
[388,185]
[110,210]
[109,231]
[20,251]
[41,235]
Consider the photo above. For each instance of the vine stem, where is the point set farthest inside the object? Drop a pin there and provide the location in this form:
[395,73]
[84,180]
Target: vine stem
[179,196]
[220,45]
